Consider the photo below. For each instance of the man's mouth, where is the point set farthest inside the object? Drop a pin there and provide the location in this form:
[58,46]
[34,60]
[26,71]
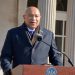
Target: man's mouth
[32,22]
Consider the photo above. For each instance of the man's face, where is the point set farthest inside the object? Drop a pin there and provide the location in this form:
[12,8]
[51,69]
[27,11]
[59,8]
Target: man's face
[32,17]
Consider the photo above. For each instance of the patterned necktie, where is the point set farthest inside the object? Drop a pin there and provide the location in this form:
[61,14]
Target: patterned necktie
[31,34]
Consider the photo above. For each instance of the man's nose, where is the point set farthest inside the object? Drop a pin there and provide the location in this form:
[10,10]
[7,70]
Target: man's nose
[33,17]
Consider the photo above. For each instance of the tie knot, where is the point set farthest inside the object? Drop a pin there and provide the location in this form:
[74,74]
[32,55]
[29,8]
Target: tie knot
[31,33]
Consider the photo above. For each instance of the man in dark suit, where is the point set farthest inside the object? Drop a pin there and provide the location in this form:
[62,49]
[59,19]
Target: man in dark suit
[29,44]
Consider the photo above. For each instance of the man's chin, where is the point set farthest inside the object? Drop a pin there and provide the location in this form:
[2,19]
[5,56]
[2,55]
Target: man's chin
[33,27]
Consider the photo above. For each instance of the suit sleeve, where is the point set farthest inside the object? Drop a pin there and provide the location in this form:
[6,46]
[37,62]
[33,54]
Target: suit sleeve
[54,56]
[6,54]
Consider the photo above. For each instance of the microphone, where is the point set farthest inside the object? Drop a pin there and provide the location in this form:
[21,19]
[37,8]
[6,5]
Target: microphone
[40,37]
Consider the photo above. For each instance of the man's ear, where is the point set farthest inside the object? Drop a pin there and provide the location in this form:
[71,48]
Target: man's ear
[24,16]
[40,16]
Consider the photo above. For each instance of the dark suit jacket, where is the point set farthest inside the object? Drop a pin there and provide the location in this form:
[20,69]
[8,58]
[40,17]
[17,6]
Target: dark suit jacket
[19,48]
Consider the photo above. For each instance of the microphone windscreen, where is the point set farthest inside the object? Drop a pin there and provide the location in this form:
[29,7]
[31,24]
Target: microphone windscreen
[39,36]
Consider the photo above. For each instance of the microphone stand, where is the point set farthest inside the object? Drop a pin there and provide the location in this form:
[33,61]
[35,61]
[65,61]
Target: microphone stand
[63,54]
[39,38]
[68,58]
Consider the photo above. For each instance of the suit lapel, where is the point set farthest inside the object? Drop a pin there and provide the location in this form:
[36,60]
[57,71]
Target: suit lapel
[25,34]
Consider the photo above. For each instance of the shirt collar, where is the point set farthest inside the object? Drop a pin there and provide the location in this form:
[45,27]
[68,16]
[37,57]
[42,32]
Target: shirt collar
[31,30]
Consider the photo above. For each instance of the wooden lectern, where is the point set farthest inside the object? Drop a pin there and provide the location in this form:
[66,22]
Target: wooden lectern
[41,70]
